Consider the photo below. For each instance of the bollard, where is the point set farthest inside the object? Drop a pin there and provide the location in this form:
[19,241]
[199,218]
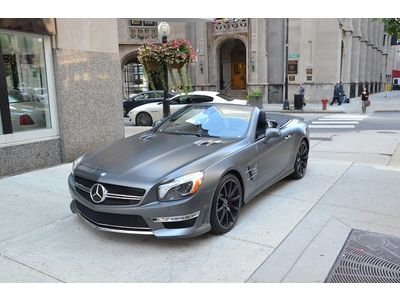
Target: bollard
[324,103]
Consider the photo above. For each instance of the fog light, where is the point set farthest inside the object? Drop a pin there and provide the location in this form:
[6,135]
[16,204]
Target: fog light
[176,218]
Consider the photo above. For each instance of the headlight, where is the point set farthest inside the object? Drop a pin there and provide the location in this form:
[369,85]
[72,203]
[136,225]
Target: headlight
[181,187]
[76,163]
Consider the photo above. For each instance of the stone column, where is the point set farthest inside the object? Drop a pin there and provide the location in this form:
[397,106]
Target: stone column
[355,57]
[375,55]
[380,76]
[88,75]
[347,46]
[368,61]
[363,54]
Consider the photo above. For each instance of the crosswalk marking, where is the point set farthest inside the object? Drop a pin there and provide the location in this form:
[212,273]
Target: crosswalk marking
[331,119]
[345,116]
[335,121]
[331,126]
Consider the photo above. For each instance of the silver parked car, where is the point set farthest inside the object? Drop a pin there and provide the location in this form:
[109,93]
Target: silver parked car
[191,174]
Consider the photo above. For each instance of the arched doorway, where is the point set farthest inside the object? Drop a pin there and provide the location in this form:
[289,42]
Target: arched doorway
[232,65]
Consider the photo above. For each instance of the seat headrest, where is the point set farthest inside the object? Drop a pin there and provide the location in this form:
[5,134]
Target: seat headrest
[262,119]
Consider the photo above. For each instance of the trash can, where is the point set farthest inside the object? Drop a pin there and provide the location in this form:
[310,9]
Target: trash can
[324,103]
[298,101]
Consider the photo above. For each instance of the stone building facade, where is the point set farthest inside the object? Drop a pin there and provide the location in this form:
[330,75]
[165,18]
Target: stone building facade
[60,93]
[355,51]
[238,55]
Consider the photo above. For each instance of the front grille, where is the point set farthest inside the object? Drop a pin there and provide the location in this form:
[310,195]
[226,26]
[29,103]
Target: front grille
[113,221]
[116,194]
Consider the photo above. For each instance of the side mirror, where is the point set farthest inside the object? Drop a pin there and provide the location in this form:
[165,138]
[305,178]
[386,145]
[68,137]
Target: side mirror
[157,123]
[271,133]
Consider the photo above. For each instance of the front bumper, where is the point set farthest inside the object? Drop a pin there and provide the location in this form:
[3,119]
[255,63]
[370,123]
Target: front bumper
[145,219]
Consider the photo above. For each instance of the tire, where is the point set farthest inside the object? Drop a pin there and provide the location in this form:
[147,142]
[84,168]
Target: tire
[226,204]
[144,119]
[300,164]
[125,113]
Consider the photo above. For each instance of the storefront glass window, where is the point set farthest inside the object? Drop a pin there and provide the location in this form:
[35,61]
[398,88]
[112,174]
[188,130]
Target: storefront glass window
[25,75]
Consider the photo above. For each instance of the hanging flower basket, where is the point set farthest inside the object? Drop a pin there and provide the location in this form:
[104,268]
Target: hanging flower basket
[178,53]
[150,56]
[178,65]
[152,65]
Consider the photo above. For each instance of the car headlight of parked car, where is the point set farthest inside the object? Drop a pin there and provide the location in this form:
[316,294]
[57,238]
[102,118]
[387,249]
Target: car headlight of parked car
[76,163]
[180,187]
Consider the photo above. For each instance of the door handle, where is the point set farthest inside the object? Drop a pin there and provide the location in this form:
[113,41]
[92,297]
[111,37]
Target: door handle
[288,136]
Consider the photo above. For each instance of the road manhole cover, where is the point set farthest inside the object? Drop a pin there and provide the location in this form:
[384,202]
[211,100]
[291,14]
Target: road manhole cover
[367,257]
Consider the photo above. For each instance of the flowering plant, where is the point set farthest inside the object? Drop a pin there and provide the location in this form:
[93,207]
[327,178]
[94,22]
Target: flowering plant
[150,55]
[175,54]
[179,52]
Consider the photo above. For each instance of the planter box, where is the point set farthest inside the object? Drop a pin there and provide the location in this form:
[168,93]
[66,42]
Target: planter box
[256,101]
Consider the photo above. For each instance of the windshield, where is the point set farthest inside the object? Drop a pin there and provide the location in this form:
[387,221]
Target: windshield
[225,121]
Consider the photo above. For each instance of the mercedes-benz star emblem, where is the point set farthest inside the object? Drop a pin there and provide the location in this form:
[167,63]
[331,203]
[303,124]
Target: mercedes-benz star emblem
[98,193]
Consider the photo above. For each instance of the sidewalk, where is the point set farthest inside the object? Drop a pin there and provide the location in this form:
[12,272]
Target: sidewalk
[291,232]
[384,101]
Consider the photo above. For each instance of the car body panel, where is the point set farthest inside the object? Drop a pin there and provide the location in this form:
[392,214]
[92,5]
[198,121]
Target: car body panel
[177,102]
[144,98]
[147,160]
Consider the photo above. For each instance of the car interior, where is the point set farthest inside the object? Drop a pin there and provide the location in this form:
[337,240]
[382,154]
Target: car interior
[269,121]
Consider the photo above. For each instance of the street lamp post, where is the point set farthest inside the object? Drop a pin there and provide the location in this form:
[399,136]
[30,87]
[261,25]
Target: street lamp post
[286,101]
[163,31]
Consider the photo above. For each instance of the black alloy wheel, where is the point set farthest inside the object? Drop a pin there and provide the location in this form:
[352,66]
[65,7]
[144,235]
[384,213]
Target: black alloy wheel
[226,204]
[144,119]
[300,164]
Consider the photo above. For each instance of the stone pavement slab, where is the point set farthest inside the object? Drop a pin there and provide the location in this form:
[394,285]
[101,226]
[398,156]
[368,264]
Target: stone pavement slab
[308,252]
[321,175]
[268,219]
[280,232]
[367,188]
[319,256]
[73,252]
[24,208]
[15,272]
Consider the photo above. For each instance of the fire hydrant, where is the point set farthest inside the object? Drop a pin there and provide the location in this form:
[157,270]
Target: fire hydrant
[324,103]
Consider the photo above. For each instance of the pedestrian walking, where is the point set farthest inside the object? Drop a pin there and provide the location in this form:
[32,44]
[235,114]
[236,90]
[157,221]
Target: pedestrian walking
[336,94]
[301,89]
[341,91]
[364,99]
[301,92]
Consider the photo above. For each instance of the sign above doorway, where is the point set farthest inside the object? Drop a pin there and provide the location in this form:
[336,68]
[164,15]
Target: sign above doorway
[294,55]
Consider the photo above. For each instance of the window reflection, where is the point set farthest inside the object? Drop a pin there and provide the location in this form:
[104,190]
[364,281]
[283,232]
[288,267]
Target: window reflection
[25,69]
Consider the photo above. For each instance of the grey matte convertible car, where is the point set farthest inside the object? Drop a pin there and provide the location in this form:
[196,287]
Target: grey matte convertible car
[191,174]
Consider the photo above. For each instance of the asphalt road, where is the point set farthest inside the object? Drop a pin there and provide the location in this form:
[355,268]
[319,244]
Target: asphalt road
[321,123]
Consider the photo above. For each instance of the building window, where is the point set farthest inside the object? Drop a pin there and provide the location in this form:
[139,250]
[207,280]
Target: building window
[134,80]
[27,101]
[292,66]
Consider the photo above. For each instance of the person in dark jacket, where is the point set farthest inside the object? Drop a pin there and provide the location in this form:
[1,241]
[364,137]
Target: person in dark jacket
[364,99]
[336,94]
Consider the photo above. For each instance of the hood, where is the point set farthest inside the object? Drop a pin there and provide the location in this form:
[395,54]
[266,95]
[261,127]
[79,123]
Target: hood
[240,102]
[149,157]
